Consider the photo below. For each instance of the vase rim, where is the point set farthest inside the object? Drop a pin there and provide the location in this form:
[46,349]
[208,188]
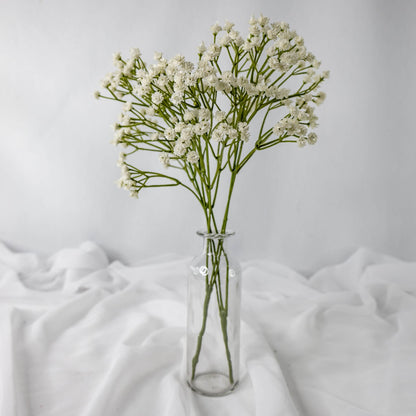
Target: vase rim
[215,236]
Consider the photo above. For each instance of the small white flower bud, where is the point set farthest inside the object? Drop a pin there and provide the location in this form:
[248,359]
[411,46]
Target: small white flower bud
[216,28]
[312,138]
[192,157]
[135,53]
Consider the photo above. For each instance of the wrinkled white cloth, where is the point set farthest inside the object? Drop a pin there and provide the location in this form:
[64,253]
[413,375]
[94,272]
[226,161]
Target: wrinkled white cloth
[80,336]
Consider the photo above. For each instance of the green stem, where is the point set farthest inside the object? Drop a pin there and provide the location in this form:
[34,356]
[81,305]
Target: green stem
[223,317]
[195,359]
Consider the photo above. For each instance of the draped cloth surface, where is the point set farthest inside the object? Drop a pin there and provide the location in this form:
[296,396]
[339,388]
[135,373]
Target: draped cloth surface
[82,336]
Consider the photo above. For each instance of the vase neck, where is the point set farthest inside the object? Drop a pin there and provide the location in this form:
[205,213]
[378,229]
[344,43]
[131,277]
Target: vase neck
[212,240]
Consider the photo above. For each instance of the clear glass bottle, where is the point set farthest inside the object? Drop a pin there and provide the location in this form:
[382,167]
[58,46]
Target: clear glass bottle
[213,327]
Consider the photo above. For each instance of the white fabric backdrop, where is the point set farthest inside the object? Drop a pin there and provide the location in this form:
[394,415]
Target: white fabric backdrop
[301,207]
[82,336]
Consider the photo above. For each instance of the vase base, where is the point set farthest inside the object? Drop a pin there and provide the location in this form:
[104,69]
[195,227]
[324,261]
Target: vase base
[212,384]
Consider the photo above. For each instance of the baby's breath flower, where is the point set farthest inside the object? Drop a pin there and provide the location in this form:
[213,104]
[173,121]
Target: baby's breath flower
[120,183]
[116,58]
[189,115]
[255,41]
[222,86]
[225,40]
[121,159]
[309,76]
[283,44]
[105,83]
[247,46]
[97,95]
[186,134]
[302,141]
[125,173]
[254,30]
[212,52]
[179,149]
[244,132]
[239,41]
[157,98]
[262,85]
[220,133]
[262,20]
[202,48]
[278,129]
[179,126]
[302,129]
[204,114]
[124,119]
[312,138]
[127,106]
[190,80]
[234,34]
[273,33]
[271,50]
[210,80]
[299,40]
[232,133]
[115,81]
[162,81]
[224,132]
[292,34]
[192,157]
[228,26]
[177,97]
[229,78]
[140,90]
[135,53]
[316,64]
[313,121]
[216,28]
[303,100]
[284,26]
[219,116]
[249,88]
[202,127]
[316,78]
[164,159]
[169,133]
[320,98]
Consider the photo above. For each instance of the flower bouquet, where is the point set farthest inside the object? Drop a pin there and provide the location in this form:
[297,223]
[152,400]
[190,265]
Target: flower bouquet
[205,121]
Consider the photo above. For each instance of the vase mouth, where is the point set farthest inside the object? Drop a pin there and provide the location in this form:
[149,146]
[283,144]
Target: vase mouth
[215,236]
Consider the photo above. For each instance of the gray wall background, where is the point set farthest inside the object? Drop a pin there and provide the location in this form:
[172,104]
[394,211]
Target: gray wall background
[302,207]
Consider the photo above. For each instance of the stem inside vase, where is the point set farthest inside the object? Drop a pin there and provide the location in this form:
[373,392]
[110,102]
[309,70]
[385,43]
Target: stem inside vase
[213,321]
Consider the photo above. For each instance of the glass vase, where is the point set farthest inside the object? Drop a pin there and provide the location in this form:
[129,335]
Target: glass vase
[213,322]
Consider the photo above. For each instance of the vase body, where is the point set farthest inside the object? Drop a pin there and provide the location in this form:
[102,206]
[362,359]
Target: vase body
[213,321]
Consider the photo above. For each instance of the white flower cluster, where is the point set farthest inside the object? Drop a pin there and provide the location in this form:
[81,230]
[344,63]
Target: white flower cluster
[172,77]
[164,159]
[300,117]
[126,181]
[172,106]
